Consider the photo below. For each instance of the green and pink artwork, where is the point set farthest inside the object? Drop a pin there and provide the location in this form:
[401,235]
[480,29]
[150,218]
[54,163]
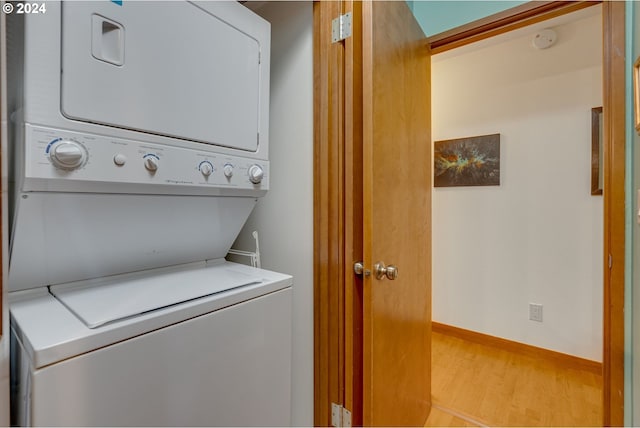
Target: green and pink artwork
[472,161]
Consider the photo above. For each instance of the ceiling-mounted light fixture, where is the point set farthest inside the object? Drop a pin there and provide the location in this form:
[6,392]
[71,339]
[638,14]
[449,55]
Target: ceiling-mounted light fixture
[544,38]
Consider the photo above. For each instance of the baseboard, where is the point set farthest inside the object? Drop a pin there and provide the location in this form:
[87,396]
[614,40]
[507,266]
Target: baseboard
[570,361]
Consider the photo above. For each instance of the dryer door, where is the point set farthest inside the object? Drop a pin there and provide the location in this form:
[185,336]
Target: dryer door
[170,68]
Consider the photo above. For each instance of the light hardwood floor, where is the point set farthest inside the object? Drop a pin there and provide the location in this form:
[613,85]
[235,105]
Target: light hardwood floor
[480,385]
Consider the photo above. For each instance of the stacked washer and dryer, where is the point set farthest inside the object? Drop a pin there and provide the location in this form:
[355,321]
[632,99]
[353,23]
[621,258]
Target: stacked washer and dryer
[139,146]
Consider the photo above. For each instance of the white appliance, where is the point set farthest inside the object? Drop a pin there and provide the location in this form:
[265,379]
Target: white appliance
[139,146]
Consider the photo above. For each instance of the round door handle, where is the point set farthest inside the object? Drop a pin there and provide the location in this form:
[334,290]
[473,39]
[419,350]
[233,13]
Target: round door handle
[392,272]
[358,269]
[382,271]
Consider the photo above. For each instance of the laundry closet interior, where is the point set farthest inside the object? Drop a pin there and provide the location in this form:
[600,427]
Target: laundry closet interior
[133,165]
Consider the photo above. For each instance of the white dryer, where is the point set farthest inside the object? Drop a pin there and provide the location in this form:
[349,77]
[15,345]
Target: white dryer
[139,146]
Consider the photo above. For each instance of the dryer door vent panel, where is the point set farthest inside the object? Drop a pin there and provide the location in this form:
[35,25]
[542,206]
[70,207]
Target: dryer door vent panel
[125,66]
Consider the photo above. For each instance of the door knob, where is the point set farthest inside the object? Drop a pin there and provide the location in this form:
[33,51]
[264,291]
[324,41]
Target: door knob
[381,270]
[359,269]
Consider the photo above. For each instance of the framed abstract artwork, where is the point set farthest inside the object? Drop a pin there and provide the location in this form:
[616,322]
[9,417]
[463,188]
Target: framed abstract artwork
[471,161]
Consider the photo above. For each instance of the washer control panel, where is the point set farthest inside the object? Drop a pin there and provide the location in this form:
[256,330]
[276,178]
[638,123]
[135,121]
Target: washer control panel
[52,154]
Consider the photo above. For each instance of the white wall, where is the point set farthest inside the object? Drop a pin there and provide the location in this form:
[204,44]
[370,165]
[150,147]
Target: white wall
[538,236]
[284,217]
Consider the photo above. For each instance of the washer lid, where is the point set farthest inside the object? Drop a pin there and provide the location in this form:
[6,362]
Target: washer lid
[103,301]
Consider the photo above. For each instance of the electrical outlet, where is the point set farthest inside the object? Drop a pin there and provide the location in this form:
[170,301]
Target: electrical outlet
[535,312]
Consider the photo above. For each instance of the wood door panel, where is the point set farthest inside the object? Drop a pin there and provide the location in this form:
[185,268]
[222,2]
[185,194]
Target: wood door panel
[397,211]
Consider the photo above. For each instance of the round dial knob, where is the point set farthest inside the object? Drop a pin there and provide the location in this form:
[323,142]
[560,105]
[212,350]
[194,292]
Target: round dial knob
[119,159]
[206,169]
[151,163]
[255,174]
[228,170]
[67,154]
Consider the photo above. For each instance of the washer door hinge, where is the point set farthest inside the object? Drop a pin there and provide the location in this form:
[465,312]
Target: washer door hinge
[341,28]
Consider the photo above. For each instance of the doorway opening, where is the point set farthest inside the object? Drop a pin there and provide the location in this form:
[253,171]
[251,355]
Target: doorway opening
[492,262]
[535,241]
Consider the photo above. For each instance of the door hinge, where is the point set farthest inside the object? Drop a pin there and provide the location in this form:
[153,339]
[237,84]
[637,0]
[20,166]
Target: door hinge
[341,27]
[340,417]
[610,261]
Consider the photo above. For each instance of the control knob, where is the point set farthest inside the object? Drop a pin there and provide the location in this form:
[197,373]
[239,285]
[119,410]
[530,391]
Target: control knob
[151,163]
[256,174]
[119,159]
[67,154]
[228,170]
[206,169]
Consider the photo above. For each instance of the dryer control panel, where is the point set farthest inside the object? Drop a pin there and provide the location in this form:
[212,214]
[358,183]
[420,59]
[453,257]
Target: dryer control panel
[60,160]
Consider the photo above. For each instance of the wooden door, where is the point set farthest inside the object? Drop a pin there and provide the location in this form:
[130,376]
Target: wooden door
[372,174]
[396,216]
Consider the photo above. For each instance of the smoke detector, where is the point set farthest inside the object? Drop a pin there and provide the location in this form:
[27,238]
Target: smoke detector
[544,38]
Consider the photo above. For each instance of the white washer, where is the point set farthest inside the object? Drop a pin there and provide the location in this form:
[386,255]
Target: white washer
[139,147]
[193,345]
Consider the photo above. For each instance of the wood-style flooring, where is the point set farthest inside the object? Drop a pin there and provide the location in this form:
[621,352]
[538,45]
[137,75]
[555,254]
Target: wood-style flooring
[479,385]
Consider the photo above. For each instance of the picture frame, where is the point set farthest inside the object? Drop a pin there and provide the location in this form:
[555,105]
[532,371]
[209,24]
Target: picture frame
[470,161]
[597,178]
[636,94]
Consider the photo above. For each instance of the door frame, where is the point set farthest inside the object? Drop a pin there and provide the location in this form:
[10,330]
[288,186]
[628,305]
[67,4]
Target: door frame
[338,202]
[329,259]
